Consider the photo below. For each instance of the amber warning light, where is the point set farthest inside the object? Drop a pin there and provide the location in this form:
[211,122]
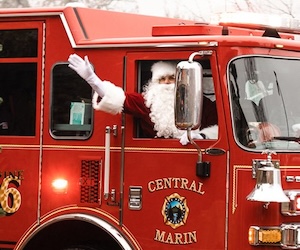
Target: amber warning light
[60,186]
[286,236]
[264,236]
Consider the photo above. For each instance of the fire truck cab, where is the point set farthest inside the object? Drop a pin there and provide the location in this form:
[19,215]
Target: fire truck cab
[75,178]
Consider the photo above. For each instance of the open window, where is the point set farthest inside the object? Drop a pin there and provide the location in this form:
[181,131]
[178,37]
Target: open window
[71,108]
[144,75]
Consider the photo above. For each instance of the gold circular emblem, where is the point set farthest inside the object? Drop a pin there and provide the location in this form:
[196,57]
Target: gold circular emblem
[175,210]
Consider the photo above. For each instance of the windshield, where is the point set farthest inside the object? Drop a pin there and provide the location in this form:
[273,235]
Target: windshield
[264,95]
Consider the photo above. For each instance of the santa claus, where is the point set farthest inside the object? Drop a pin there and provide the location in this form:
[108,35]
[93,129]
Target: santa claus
[154,107]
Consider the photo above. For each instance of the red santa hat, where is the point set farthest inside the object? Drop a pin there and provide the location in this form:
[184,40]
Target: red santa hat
[160,69]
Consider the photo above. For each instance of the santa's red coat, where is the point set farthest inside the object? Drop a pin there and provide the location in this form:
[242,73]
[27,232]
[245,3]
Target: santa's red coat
[135,105]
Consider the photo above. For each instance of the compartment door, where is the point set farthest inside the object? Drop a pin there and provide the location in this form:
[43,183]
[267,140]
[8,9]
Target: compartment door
[21,94]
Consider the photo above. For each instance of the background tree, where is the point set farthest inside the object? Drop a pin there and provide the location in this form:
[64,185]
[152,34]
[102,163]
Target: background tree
[282,7]
[14,3]
[89,3]
[197,10]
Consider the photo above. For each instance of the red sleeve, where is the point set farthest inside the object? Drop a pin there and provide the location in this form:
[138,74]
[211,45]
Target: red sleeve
[135,105]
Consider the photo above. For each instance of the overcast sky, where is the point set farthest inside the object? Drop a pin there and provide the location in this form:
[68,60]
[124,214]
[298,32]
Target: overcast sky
[203,10]
[197,10]
[188,9]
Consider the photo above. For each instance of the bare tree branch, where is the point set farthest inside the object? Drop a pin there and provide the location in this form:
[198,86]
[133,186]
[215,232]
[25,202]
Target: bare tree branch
[198,10]
[281,7]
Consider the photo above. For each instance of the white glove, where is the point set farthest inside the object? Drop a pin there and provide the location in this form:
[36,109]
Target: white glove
[184,140]
[84,69]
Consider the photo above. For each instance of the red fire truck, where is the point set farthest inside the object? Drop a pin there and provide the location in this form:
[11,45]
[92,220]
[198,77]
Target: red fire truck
[75,178]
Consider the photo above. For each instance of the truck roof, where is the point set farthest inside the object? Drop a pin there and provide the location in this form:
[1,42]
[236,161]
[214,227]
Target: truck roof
[94,25]
[88,27]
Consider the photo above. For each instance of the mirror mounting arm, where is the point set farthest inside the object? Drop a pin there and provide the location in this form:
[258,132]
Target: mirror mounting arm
[194,144]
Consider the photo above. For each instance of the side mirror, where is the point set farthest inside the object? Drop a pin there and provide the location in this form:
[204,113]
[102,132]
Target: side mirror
[188,96]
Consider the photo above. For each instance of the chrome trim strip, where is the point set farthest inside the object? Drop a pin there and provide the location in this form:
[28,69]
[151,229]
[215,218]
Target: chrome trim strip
[117,235]
[227,199]
[68,30]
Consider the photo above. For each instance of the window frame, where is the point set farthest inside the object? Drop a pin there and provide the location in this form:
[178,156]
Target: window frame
[132,76]
[38,25]
[70,130]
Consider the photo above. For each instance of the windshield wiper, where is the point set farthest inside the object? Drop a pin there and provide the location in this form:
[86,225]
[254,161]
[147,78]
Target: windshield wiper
[287,138]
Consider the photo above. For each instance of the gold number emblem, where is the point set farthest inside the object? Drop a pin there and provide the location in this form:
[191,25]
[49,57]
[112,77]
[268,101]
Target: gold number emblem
[10,197]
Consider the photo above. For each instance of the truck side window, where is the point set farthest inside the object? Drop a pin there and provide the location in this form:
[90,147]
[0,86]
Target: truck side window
[18,82]
[22,43]
[18,98]
[145,75]
[71,109]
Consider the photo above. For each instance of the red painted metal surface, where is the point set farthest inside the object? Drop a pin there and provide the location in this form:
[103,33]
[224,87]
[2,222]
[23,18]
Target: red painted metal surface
[217,213]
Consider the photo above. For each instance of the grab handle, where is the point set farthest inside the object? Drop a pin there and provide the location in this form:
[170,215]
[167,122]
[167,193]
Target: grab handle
[107,162]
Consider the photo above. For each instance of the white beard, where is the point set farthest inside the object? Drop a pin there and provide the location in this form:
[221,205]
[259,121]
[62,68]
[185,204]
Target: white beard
[160,99]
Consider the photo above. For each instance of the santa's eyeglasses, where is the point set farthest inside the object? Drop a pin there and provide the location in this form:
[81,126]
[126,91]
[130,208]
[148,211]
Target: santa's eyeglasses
[167,79]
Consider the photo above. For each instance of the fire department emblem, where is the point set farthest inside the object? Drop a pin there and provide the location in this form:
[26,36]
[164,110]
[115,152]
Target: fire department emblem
[175,210]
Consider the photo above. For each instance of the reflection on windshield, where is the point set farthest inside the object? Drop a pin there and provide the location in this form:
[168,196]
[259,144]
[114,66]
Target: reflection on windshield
[264,96]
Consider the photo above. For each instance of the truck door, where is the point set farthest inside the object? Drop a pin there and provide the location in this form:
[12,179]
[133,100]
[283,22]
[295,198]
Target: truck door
[168,203]
[21,81]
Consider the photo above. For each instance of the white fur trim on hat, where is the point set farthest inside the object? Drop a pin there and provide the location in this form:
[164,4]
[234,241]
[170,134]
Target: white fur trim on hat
[161,68]
[113,100]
